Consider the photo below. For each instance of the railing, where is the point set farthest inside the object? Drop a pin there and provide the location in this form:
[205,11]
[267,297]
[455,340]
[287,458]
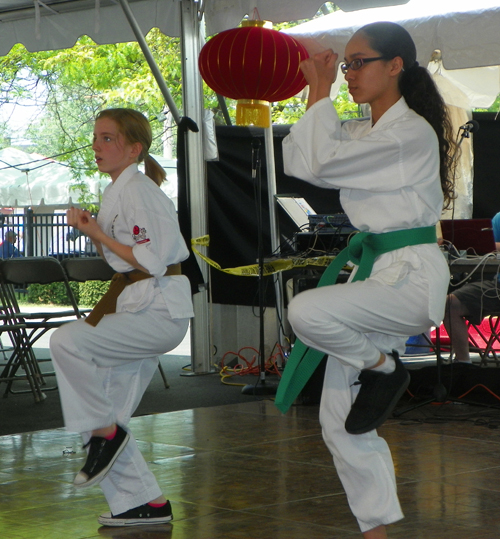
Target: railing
[44,234]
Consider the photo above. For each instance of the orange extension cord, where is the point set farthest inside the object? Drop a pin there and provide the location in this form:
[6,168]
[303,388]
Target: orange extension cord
[250,366]
[461,396]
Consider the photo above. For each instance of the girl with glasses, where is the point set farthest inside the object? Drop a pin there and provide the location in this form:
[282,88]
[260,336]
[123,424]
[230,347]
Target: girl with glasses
[393,171]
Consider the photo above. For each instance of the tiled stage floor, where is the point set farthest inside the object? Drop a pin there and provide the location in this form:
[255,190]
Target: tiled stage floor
[247,471]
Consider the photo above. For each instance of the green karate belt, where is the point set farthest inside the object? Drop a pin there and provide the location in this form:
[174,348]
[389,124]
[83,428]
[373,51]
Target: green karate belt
[362,251]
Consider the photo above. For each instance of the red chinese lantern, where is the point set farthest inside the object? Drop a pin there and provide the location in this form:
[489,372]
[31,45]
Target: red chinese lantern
[254,65]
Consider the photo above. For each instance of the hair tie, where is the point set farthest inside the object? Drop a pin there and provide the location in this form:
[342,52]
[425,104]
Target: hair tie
[415,65]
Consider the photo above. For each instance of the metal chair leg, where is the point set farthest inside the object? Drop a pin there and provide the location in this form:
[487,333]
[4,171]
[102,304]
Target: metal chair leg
[162,372]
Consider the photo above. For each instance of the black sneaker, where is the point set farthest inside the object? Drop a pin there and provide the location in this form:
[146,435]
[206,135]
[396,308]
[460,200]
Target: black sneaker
[377,397]
[102,455]
[139,516]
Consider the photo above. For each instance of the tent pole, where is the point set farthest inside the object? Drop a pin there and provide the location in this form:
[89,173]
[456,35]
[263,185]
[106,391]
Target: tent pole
[193,108]
[151,61]
[273,222]
[192,88]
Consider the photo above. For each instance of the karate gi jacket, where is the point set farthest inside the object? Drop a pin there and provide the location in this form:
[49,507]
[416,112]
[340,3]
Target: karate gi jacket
[136,212]
[388,178]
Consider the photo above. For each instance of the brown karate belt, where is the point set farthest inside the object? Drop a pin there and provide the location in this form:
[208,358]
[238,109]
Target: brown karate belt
[107,304]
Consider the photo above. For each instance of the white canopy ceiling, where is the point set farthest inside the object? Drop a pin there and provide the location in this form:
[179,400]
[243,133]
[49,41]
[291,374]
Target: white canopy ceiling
[57,24]
[464,31]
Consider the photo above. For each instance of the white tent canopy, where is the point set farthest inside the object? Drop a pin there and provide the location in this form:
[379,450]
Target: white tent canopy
[32,180]
[57,24]
[464,31]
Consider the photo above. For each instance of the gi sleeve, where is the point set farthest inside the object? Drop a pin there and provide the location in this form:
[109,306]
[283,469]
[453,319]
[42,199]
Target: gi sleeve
[154,229]
[355,155]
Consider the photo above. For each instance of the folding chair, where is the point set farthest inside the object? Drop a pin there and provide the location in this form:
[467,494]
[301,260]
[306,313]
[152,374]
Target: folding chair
[24,271]
[19,357]
[484,338]
[95,269]
[87,269]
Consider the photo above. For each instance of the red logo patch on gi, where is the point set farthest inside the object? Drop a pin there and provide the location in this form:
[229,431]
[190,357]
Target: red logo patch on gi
[140,235]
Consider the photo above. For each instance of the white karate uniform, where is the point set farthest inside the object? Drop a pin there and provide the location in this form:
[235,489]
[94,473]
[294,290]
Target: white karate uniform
[103,371]
[388,177]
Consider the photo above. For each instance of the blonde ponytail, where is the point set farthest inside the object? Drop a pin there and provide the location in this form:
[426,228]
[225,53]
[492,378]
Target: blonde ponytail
[154,170]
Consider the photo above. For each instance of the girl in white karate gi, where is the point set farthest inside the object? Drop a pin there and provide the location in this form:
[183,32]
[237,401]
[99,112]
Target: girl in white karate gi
[104,369]
[394,172]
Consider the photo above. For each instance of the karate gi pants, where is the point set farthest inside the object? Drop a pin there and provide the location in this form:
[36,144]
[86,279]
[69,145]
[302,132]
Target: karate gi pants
[102,373]
[353,323]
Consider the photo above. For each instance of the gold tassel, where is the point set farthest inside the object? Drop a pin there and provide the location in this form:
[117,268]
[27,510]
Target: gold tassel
[253,112]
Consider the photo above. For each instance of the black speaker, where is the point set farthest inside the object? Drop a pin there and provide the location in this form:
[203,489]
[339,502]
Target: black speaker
[310,280]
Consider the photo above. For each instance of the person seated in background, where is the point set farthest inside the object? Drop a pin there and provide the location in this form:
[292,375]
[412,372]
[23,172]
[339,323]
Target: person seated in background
[7,247]
[472,301]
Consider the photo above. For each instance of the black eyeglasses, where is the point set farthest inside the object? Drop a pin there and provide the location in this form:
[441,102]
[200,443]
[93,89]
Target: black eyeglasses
[357,63]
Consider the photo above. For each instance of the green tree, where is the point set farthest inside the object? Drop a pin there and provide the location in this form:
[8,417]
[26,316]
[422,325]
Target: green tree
[76,83]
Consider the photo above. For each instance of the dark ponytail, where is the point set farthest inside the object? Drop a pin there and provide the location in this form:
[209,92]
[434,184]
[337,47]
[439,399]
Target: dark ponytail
[420,93]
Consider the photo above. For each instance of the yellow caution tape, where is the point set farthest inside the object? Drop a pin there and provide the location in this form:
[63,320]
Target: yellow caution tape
[269,268]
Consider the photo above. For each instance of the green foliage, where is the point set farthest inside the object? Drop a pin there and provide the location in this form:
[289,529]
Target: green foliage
[86,294]
[5,134]
[92,291]
[495,107]
[51,294]
[70,86]
[345,107]
[289,111]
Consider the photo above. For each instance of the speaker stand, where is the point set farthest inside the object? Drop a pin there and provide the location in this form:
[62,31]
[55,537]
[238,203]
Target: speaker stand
[262,387]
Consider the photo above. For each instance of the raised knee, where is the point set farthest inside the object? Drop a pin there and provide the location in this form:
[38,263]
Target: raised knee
[298,314]
[57,338]
[61,338]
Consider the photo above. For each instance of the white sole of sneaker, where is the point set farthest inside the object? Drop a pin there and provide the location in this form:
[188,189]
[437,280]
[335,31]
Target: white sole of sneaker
[102,474]
[107,520]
